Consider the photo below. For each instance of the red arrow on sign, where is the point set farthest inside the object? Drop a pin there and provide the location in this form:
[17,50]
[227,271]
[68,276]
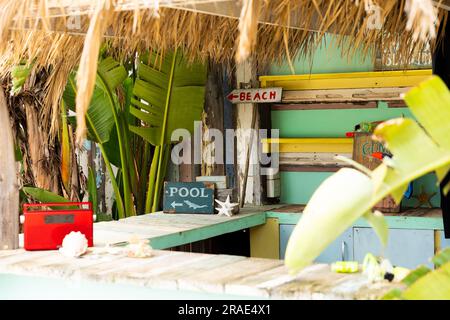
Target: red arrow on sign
[232,96]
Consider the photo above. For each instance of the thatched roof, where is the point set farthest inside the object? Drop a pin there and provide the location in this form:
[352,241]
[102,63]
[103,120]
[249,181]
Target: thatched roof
[62,33]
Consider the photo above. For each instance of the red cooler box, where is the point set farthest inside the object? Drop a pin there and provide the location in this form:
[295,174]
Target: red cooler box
[46,225]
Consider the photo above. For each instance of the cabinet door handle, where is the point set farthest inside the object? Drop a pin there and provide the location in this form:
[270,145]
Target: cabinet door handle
[343,250]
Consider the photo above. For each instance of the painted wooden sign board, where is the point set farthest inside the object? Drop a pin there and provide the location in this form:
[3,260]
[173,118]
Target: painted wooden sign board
[266,95]
[363,148]
[188,197]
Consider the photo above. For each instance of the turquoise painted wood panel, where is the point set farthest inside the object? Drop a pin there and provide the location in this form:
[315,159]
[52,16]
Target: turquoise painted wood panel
[340,249]
[406,248]
[329,123]
[298,187]
[326,59]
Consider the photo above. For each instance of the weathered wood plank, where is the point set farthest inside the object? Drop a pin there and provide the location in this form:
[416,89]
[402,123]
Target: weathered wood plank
[312,158]
[324,106]
[169,270]
[136,228]
[164,219]
[23,256]
[215,279]
[104,237]
[345,95]
[318,282]
[150,273]
[260,284]
[9,191]
[195,268]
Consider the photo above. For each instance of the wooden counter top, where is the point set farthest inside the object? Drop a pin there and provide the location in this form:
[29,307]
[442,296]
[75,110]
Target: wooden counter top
[214,276]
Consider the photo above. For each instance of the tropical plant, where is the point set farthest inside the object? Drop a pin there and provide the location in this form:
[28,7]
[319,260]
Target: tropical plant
[105,119]
[426,284]
[167,93]
[349,194]
[38,145]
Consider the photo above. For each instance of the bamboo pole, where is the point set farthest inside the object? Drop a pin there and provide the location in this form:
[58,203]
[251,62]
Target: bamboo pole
[9,192]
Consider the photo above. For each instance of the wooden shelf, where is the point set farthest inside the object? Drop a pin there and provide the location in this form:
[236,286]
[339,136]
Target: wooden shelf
[356,80]
[352,95]
[326,145]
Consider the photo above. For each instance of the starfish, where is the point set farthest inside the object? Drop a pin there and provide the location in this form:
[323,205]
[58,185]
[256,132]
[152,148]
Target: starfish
[226,208]
[424,198]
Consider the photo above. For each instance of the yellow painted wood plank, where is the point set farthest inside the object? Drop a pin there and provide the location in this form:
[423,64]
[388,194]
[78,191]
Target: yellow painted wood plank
[290,145]
[265,240]
[353,80]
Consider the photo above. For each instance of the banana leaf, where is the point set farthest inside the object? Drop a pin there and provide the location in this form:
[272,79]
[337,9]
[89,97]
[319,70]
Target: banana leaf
[434,285]
[169,94]
[65,149]
[100,118]
[42,195]
[425,284]
[92,189]
[103,124]
[19,75]
[45,196]
[350,194]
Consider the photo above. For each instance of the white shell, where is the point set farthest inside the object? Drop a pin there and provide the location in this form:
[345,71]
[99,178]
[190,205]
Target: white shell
[139,248]
[74,244]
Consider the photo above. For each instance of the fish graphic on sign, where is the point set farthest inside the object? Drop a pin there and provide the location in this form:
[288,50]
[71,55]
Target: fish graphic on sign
[188,197]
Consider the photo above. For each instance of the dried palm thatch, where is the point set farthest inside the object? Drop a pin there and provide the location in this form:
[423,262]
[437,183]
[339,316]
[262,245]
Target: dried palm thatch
[63,33]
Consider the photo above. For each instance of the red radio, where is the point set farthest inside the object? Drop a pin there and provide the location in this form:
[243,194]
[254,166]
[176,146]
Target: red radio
[46,225]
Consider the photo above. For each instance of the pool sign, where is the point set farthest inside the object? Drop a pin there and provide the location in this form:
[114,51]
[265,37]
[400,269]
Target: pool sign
[266,95]
[188,197]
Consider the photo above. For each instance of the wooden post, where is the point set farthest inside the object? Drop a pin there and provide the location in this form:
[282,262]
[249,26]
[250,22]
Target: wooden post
[247,118]
[9,192]
[214,110]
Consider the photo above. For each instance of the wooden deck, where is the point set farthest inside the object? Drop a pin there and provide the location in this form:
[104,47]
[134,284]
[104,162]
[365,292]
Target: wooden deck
[219,276]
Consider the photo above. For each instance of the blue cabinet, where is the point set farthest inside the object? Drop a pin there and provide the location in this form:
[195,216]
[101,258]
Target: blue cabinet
[445,243]
[406,247]
[340,249]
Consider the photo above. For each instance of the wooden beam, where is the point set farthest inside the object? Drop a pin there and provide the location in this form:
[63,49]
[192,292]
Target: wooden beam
[355,80]
[324,106]
[247,117]
[9,192]
[397,104]
[214,110]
